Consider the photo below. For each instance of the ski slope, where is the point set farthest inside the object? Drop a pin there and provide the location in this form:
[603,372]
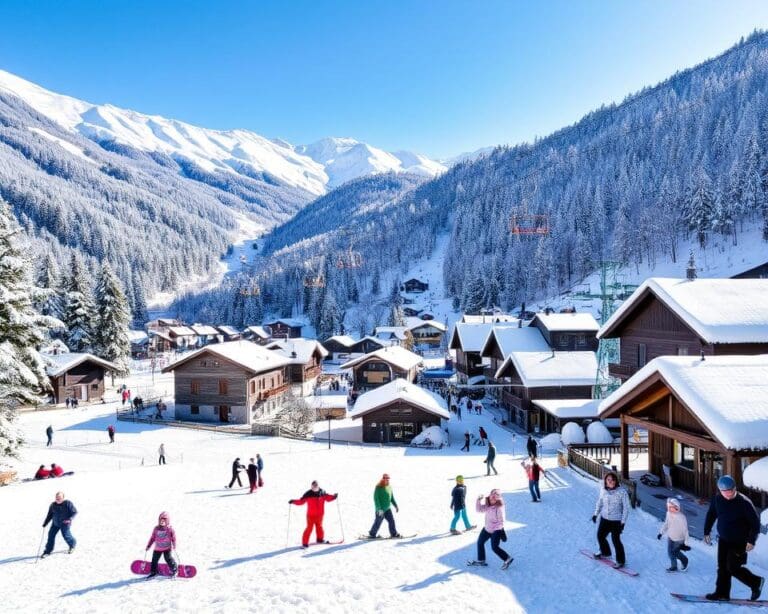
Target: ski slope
[246,546]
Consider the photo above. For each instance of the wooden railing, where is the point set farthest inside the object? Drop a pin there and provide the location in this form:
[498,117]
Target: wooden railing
[593,459]
[619,370]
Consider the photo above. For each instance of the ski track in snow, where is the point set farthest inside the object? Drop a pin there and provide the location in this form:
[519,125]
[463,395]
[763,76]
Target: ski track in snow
[238,540]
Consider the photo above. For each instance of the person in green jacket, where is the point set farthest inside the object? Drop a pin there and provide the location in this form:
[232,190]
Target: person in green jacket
[384,501]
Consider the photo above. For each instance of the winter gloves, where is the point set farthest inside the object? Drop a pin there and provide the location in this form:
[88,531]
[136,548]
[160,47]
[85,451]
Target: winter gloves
[658,536]
[594,519]
[290,501]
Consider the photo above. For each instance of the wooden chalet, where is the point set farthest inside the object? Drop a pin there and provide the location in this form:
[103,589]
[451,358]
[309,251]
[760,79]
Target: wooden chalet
[305,358]
[705,417]
[366,345]
[383,366]
[679,317]
[285,328]
[338,347]
[411,311]
[237,382]
[397,412]
[391,335]
[77,376]
[576,332]
[229,333]
[205,334]
[182,337]
[257,334]
[427,333]
[160,342]
[468,341]
[414,285]
[554,414]
[758,272]
[139,341]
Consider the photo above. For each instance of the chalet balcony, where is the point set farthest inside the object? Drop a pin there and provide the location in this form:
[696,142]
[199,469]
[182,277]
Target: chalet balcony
[621,371]
[273,392]
[312,372]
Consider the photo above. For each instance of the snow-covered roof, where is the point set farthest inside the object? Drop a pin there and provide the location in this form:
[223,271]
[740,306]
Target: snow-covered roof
[569,408]
[244,353]
[159,333]
[204,329]
[470,337]
[61,363]
[228,330]
[327,401]
[560,322]
[539,369]
[137,336]
[395,355]
[756,475]
[717,310]
[728,394]
[399,389]
[259,331]
[386,332]
[413,323]
[56,346]
[289,322]
[488,318]
[344,340]
[181,331]
[514,339]
[304,348]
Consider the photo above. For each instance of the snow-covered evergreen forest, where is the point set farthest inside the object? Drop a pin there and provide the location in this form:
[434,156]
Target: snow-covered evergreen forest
[688,157]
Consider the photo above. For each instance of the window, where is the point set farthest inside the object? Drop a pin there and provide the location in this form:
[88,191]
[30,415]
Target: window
[562,341]
[194,409]
[203,363]
[216,363]
[681,351]
[94,386]
[194,387]
[684,455]
[253,387]
[581,341]
[223,386]
[641,354]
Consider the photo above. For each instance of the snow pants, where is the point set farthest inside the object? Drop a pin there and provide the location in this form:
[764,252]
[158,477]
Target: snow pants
[612,527]
[489,466]
[313,522]
[462,513]
[495,538]
[65,533]
[379,519]
[673,550]
[235,476]
[168,559]
[533,486]
[731,558]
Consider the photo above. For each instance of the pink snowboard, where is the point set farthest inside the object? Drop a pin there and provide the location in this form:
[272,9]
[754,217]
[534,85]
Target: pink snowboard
[142,568]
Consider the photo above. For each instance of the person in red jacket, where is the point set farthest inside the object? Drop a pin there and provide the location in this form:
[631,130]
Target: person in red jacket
[56,471]
[42,473]
[315,499]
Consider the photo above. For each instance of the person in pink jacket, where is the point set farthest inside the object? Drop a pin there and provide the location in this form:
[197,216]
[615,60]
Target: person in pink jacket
[493,508]
[164,538]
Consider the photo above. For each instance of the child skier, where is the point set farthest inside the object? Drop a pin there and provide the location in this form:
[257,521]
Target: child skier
[676,527]
[493,508]
[459,505]
[164,538]
[315,499]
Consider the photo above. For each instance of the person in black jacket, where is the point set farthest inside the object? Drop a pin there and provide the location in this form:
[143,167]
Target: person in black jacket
[236,467]
[531,447]
[459,505]
[253,474]
[490,458]
[738,526]
[60,514]
[49,434]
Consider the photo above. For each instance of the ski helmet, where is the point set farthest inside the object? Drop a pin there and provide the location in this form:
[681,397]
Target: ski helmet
[726,482]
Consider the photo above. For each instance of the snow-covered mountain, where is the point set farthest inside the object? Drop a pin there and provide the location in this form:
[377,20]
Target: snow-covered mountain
[314,168]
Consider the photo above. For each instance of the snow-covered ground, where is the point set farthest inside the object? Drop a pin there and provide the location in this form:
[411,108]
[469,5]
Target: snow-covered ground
[246,546]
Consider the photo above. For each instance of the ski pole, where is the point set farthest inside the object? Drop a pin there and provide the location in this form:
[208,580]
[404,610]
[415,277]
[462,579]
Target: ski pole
[341,524]
[42,536]
[288,529]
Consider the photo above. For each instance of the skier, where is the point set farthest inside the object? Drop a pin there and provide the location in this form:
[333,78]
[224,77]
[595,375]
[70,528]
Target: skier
[613,509]
[260,466]
[164,538]
[459,505]
[384,501]
[493,508]
[466,442]
[253,474]
[676,527]
[42,473]
[60,515]
[161,454]
[483,435]
[49,434]
[111,433]
[236,467]
[534,471]
[489,459]
[56,471]
[315,499]
[738,527]
[531,446]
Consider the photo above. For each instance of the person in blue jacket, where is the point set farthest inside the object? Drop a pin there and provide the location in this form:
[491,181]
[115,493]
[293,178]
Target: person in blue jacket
[60,515]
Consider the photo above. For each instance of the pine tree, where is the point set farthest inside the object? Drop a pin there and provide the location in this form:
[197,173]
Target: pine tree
[701,204]
[78,315]
[139,304]
[112,319]
[22,330]
[474,295]
[48,279]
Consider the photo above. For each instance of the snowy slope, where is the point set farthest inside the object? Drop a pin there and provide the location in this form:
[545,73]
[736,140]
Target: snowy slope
[235,151]
[245,546]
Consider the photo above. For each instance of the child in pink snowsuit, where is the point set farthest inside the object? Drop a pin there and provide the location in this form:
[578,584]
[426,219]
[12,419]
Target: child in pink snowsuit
[164,538]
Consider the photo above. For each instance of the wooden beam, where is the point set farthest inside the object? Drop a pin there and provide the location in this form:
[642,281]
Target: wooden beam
[624,449]
[648,400]
[691,439]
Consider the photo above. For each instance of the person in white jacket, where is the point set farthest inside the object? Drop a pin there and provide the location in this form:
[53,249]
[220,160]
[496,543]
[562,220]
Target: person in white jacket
[612,509]
[676,527]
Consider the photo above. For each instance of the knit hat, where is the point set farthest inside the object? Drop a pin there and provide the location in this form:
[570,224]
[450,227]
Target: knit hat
[164,516]
[673,502]
[459,478]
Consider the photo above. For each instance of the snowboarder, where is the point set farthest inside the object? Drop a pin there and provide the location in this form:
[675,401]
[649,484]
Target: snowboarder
[161,454]
[42,473]
[164,538]
[534,471]
[49,434]
[493,508]
[60,515]
[56,471]
[613,509]
[676,527]
[466,442]
[489,459]
[315,499]
[236,467]
[531,446]
[253,474]
[260,467]
[67,402]
[483,435]
[384,501]
[111,433]
[738,527]
[459,505]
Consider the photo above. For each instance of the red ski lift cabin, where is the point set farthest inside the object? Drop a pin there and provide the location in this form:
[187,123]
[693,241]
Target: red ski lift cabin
[529,224]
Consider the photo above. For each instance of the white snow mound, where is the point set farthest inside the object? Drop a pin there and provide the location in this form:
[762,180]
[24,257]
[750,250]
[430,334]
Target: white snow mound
[572,433]
[430,436]
[597,432]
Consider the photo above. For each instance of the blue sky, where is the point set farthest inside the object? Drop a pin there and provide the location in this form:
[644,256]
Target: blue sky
[437,77]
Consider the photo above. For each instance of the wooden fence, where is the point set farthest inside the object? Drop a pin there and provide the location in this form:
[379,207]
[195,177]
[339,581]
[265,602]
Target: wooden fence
[593,459]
